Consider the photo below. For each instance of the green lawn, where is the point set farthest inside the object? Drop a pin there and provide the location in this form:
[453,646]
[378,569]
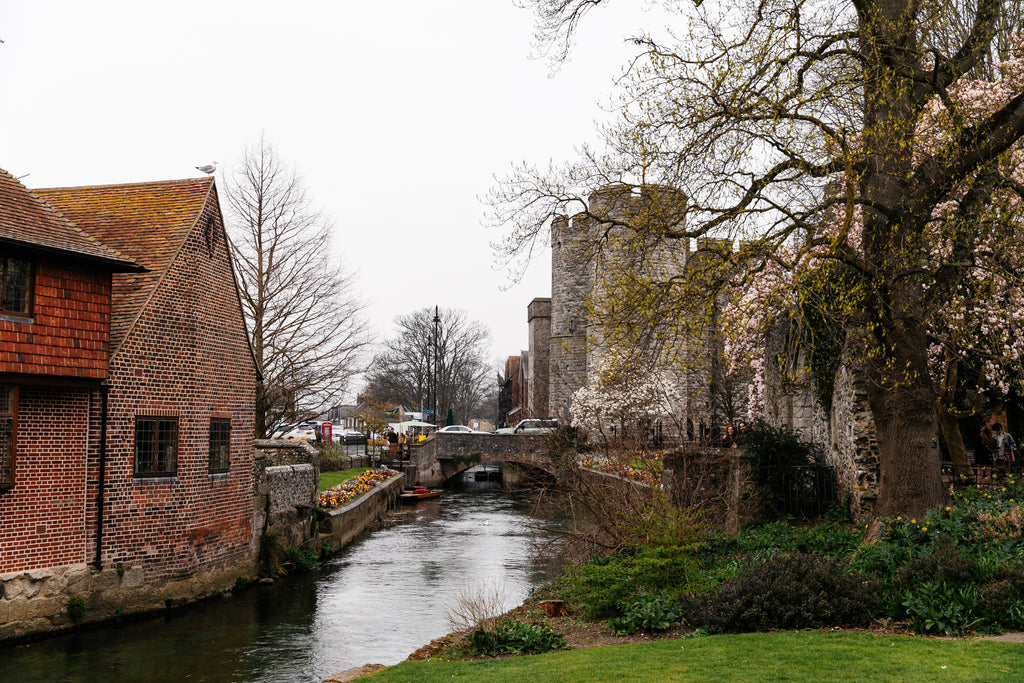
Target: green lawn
[810,656]
[329,479]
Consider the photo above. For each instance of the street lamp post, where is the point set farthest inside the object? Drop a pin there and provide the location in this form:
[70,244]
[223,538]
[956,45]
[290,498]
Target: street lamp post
[437,327]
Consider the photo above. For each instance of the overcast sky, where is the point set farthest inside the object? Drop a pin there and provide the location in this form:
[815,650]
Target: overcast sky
[397,115]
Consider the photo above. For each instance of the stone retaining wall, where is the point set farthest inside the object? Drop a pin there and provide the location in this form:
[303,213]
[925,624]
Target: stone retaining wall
[340,527]
[290,503]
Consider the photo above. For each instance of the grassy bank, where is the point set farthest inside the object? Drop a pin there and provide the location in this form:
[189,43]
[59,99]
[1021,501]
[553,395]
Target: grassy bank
[781,656]
[330,479]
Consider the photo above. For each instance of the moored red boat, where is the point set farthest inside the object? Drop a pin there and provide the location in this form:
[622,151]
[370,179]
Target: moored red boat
[411,496]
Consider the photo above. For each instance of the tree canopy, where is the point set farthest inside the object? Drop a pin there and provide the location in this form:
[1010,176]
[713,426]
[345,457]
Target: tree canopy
[438,363]
[305,317]
[881,136]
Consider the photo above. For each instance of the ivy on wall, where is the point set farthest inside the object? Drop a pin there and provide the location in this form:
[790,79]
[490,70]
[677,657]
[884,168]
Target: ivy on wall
[826,298]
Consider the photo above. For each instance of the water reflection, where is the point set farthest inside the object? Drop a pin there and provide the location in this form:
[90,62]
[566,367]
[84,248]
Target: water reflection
[377,602]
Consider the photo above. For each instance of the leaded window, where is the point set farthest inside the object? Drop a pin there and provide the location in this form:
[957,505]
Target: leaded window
[156,446]
[220,445]
[15,286]
[8,431]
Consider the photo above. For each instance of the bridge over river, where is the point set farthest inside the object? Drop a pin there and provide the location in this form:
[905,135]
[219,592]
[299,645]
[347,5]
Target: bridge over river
[443,456]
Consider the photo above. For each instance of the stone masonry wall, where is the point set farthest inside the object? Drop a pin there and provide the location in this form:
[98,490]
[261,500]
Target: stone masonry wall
[846,432]
[570,283]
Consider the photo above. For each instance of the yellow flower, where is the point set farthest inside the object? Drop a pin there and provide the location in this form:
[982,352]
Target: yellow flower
[948,508]
[913,521]
[899,519]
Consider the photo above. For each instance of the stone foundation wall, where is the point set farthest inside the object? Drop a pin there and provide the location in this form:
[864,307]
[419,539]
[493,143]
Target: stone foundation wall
[37,601]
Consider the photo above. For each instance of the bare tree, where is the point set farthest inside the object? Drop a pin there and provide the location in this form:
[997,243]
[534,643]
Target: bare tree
[438,358]
[815,131]
[306,319]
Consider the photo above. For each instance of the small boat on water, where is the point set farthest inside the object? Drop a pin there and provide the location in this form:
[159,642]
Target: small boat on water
[410,496]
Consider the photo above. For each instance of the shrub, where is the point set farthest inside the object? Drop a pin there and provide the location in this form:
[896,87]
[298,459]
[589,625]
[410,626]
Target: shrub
[1001,598]
[303,559]
[786,591]
[785,468]
[516,637]
[943,563]
[650,613]
[941,608]
[606,588]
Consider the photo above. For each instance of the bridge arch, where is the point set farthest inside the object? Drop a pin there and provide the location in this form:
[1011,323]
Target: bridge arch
[443,456]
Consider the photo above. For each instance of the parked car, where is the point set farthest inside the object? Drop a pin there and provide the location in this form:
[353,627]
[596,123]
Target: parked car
[350,436]
[459,429]
[532,426]
[304,430]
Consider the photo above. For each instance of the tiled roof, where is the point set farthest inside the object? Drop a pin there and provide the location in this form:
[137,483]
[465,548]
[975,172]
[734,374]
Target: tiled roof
[146,221]
[27,220]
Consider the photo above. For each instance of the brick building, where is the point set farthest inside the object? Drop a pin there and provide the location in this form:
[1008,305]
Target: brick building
[127,387]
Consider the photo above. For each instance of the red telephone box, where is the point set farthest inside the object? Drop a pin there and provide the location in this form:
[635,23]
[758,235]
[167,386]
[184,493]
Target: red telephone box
[325,431]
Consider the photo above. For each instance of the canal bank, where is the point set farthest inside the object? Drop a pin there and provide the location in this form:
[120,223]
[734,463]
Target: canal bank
[378,600]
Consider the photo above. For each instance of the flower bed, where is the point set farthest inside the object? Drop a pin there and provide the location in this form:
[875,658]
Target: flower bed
[629,471]
[350,489]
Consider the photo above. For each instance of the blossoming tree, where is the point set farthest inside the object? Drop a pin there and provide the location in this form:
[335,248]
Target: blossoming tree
[800,127]
[624,399]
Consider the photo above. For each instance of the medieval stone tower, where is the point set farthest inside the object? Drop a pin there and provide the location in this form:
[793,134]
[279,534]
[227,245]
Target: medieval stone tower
[621,232]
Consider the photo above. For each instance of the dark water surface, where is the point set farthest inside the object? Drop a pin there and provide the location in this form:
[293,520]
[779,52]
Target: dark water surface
[376,602]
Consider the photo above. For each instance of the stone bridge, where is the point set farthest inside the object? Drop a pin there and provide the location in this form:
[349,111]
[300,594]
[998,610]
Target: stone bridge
[443,456]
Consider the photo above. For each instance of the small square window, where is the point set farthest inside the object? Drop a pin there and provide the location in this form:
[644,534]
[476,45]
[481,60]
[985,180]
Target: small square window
[15,286]
[220,445]
[156,446]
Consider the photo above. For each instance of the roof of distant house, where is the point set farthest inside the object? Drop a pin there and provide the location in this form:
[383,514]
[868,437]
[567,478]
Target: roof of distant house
[145,221]
[27,221]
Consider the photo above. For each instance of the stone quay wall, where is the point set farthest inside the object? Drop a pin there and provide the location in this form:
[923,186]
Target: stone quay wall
[343,525]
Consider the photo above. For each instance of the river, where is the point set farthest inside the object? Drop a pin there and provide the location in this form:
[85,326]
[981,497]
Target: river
[376,602]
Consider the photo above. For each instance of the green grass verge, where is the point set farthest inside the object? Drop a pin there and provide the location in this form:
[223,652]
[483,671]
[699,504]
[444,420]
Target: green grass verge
[810,656]
[329,479]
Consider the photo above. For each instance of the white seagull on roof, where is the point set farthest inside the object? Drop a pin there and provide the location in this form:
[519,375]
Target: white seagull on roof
[208,168]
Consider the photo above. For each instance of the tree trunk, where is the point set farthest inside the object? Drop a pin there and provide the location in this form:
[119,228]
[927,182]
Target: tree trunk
[903,407]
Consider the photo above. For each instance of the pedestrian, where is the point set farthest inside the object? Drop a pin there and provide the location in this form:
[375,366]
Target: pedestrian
[984,452]
[392,440]
[1005,448]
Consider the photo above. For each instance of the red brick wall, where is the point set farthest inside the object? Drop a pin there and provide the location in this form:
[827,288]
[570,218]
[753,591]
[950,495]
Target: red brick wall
[42,519]
[70,332]
[186,357]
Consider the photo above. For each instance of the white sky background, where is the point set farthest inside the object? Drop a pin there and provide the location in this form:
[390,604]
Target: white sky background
[397,115]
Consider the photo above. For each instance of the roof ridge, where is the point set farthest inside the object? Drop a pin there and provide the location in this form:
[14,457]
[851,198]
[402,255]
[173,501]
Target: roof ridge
[180,181]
